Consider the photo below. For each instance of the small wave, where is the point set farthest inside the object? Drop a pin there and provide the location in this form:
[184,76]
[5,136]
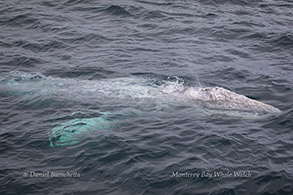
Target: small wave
[40,47]
[277,4]
[225,34]
[233,2]
[84,72]
[20,60]
[154,14]
[231,75]
[4,44]
[74,2]
[155,3]
[117,11]
[282,40]
[20,20]
[247,24]
[239,53]
[210,15]
[254,36]
[48,4]
[91,38]
[271,41]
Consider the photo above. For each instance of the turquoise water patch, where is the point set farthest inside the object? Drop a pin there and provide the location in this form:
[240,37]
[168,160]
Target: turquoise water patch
[82,126]
[74,131]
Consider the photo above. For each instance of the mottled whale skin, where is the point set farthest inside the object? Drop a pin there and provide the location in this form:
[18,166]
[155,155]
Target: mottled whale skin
[223,99]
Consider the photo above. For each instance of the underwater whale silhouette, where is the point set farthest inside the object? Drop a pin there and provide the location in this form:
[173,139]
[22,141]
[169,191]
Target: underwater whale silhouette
[210,101]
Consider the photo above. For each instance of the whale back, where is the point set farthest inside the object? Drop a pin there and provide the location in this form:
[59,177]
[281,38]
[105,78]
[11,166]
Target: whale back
[212,100]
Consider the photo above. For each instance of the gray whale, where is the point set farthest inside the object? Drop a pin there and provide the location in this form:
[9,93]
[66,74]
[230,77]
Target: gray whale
[131,91]
[206,100]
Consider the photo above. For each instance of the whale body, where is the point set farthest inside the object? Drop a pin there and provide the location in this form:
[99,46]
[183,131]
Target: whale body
[131,91]
[207,100]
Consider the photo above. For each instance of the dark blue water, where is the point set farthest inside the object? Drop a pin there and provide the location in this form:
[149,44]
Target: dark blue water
[245,46]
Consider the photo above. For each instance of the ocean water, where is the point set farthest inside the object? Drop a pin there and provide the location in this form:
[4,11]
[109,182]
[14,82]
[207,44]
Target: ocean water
[63,137]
